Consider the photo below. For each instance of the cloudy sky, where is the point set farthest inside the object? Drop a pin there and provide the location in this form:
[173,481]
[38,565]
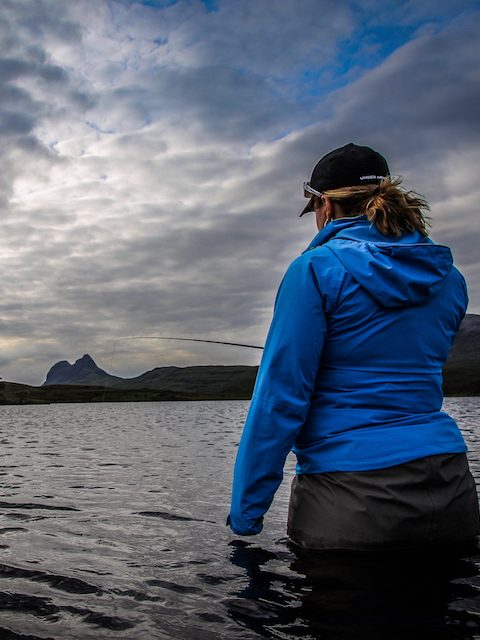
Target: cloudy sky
[153,155]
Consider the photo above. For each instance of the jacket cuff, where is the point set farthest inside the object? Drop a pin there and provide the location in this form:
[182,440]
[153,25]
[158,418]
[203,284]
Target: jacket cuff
[241,528]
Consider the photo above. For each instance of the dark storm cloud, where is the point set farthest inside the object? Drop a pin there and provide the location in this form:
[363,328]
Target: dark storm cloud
[11,69]
[422,93]
[225,102]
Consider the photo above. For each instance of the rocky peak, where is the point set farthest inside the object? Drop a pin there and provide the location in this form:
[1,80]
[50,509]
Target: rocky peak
[83,371]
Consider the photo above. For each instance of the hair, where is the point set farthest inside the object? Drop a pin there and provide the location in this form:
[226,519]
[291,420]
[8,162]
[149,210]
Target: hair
[388,206]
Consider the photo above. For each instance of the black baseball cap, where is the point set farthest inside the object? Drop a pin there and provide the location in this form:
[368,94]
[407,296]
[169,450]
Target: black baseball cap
[347,166]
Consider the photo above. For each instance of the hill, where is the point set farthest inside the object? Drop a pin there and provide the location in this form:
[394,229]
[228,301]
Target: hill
[461,374]
[213,381]
[14,393]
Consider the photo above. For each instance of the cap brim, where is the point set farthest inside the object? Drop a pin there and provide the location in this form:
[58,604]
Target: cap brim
[310,206]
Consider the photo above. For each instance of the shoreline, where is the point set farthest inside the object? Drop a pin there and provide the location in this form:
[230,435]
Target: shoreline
[13,393]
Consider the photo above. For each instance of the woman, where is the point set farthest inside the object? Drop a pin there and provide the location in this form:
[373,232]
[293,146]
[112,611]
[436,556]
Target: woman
[351,376]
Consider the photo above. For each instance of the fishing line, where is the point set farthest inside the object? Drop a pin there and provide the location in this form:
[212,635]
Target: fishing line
[231,344]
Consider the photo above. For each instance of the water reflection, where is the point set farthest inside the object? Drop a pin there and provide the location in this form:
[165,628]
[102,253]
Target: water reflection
[344,595]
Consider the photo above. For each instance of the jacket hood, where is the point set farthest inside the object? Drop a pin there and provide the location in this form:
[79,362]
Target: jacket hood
[396,272]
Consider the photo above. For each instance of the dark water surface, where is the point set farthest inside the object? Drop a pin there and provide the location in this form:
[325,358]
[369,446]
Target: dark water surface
[112,526]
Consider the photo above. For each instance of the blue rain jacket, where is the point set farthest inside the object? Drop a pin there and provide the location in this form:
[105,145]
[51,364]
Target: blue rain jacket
[351,374]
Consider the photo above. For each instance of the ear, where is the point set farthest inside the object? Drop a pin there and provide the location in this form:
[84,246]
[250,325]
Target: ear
[329,209]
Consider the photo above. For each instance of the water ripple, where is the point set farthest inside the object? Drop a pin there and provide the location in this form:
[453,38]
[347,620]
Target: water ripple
[33,505]
[122,510]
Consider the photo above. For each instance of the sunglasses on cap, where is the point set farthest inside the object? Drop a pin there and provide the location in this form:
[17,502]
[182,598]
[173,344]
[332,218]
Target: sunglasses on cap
[309,191]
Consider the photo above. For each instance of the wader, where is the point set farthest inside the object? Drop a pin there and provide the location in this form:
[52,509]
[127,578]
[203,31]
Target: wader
[424,502]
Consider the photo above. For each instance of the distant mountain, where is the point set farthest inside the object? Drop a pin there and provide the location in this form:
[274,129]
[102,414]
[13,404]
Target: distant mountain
[204,381]
[461,373]
[84,372]
[213,380]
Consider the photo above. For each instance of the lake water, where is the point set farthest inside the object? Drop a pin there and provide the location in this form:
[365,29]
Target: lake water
[112,526]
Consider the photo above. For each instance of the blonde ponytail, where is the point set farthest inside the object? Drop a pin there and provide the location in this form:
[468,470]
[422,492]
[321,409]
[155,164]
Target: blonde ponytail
[388,206]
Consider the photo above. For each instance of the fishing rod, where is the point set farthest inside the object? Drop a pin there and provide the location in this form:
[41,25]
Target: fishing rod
[231,344]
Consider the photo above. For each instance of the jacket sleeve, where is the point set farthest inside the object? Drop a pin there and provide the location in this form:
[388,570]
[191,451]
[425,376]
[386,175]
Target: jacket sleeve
[281,398]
